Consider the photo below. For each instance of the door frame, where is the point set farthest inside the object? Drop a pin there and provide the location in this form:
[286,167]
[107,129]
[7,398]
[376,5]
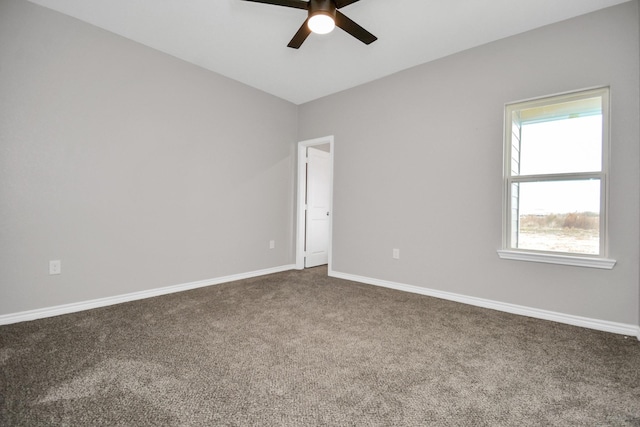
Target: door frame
[302,190]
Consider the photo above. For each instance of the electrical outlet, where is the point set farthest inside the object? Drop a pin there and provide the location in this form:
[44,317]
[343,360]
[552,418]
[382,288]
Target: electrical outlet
[55,267]
[396,254]
[272,244]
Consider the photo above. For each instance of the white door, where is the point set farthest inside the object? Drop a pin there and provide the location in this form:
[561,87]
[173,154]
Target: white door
[318,202]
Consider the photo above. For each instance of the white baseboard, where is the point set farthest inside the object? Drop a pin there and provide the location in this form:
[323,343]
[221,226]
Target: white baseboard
[601,325]
[585,322]
[41,313]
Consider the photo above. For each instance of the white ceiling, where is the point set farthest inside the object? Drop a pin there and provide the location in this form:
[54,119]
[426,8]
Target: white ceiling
[247,41]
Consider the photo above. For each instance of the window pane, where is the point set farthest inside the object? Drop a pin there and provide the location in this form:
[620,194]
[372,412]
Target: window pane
[560,216]
[558,138]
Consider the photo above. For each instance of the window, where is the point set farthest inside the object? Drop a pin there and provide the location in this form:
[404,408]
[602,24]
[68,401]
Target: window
[555,179]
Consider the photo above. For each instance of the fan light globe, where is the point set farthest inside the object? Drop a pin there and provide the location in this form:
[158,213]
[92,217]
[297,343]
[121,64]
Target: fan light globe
[321,24]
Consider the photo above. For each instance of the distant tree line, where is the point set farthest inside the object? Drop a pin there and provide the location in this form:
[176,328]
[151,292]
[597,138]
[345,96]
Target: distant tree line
[580,220]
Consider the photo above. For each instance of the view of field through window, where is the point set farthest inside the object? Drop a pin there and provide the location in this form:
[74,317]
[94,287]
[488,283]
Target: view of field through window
[572,233]
[560,213]
[561,216]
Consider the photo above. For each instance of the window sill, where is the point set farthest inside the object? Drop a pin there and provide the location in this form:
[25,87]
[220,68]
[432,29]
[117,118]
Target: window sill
[576,261]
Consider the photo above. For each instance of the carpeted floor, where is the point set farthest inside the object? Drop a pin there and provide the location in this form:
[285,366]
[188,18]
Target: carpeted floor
[299,348]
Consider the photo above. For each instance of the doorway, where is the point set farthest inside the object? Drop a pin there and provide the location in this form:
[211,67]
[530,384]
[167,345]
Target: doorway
[314,203]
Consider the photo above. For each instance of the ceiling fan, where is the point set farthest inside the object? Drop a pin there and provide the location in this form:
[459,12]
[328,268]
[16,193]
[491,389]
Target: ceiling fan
[323,16]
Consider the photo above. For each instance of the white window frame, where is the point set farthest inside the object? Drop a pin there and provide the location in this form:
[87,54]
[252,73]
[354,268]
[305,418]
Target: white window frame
[580,260]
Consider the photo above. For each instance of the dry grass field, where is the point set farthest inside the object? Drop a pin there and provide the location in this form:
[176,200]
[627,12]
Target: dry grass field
[573,232]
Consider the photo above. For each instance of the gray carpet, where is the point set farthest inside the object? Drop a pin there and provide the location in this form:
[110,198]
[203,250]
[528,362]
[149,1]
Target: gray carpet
[299,348]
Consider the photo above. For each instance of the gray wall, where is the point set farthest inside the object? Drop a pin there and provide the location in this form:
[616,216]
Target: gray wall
[135,169]
[418,166]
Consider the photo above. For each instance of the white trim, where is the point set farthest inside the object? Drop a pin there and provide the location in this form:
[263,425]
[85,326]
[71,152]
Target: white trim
[41,313]
[576,261]
[300,205]
[584,322]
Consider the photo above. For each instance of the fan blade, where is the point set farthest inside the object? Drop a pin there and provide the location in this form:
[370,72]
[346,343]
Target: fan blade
[343,3]
[354,29]
[298,4]
[300,36]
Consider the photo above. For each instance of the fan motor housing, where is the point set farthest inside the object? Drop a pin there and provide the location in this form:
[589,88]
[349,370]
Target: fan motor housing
[322,7]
